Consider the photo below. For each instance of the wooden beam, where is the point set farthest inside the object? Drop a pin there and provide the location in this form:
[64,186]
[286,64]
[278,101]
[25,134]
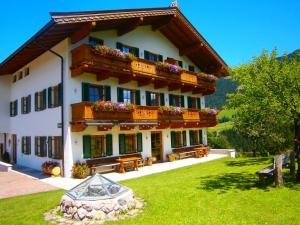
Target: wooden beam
[160,84]
[125,79]
[82,32]
[103,75]
[129,26]
[163,23]
[190,49]
[186,88]
[173,87]
[145,82]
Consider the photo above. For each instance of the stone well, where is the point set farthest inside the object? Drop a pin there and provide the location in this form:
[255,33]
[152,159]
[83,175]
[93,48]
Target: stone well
[96,198]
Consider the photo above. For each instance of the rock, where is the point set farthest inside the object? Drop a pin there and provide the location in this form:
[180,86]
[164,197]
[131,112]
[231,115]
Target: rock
[107,209]
[67,204]
[81,213]
[138,204]
[68,216]
[91,214]
[98,205]
[100,215]
[77,204]
[88,208]
[76,217]
[122,202]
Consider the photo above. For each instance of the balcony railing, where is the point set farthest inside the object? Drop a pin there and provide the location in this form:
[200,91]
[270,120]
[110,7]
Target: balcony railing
[86,59]
[83,112]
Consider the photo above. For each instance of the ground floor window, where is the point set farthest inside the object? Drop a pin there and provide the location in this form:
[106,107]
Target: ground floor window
[178,139]
[41,146]
[26,145]
[130,143]
[54,147]
[97,146]
[194,137]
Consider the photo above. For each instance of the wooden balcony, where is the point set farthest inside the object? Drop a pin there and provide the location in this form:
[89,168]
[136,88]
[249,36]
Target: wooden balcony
[82,114]
[85,59]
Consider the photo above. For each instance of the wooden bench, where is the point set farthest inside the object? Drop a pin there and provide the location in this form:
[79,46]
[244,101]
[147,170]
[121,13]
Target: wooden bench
[186,152]
[109,164]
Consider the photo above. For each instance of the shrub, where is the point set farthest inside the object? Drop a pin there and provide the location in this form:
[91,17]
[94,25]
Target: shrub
[80,170]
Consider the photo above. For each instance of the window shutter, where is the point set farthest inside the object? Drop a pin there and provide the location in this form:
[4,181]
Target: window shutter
[184,138]
[29,104]
[60,97]
[191,137]
[148,98]
[189,99]
[49,147]
[50,97]
[173,139]
[36,101]
[44,147]
[146,55]
[10,108]
[119,46]
[109,147]
[107,93]
[87,146]
[182,101]
[198,103]
[44,99]
[139,144]
[120,94]
[36,145]
[136,52]
[160,58]
[121,144]
[137,97]
[16,108]
[59,156]
[29,145]
[85,92]
[23,142]
[180,63]
[171,100]
[162,99]
[200,137]
[22,105]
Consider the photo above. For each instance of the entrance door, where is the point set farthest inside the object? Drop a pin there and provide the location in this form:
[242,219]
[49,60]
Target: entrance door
[156,146]
[14,148]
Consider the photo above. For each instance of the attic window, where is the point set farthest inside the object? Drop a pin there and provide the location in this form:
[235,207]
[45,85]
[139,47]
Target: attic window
[95,41]
[26,71]
[20,75]
[14,78]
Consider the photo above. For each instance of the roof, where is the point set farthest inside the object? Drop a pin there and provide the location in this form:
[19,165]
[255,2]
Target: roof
[169,21]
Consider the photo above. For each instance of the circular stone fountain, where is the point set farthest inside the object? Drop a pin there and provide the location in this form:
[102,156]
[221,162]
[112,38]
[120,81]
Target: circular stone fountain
[97,198]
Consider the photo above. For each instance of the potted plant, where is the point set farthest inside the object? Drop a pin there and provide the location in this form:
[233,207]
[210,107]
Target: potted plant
[171,157]
[51,167]
[80,170]
[149,161]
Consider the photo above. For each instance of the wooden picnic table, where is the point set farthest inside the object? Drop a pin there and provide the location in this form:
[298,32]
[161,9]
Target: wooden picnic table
[123,161]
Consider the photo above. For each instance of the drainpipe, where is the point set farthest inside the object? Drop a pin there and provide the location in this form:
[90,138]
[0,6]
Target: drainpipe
[62,102]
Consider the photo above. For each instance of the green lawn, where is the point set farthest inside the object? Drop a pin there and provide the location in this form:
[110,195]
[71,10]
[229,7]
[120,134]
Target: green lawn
[220,192]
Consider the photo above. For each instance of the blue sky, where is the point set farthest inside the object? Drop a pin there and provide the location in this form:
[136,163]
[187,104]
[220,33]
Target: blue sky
[237,29]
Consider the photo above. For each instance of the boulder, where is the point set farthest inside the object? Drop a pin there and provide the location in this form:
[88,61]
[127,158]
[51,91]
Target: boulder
[100,215]
[91,215]
[122,202]
[88,208]
[81,213]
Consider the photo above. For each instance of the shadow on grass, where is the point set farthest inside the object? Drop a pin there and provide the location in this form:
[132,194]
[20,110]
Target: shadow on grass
[250,162]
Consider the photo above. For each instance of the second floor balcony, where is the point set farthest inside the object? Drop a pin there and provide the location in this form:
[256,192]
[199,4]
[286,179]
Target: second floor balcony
[107,63]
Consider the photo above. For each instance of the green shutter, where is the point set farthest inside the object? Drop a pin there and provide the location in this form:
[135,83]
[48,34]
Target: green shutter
[87,146]
[162,99]
[107,93]
[121,144]
[148,98]
[50,147]
[189,99]
[136,52]
[160,58]
[119,46]
[36,101]
[60,97]
[50,97]
[198,103]
[120,94]
[182,101]
[85,92]
[171,100]
[10,108]
[184,138]
[59,156]
[146,55]
[35,146]
[22,105]
[44,152]
[191,137]
[173,139]
[200,137]
[29,104]
[139,142]
[137,97]
[23,142]
[16,108]
[109,147]
[44,99]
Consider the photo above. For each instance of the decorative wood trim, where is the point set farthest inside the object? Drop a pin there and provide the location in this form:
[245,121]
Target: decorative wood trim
[190,49]
[145,82]
[129,26]
[163,23]
[82,32]
[78,127]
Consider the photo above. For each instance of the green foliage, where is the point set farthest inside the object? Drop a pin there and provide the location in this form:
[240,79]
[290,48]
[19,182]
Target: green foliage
[80,170]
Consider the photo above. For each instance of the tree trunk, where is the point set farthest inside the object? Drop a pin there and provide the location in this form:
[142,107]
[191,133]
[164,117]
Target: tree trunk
[297,144]
[292,164]
[278,171]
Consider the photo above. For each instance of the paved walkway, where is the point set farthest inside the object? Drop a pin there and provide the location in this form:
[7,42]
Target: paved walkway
[68,183]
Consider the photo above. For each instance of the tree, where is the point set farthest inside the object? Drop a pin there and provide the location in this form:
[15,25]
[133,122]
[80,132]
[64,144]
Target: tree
[267,103]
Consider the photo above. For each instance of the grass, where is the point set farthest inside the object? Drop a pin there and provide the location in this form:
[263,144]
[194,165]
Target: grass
[221,126]
[223,192]
[226,113]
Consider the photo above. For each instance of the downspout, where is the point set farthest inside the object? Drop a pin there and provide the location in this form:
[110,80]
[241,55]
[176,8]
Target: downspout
[62,102]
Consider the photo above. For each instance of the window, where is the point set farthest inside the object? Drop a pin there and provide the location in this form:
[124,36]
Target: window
[54,147]
[194,103]
[26,71]
[178,139]
[130,143]
[194,137]
[97,146]
[41,146]
[129,96]
[191,68]
[93,93]
[20,75]
[40,100]
[95,41]
[176,100]
[152,56]
[14,108]
[55,96]
[155,99]
[26,145]
[14,78]
[128,49]
[26,104]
